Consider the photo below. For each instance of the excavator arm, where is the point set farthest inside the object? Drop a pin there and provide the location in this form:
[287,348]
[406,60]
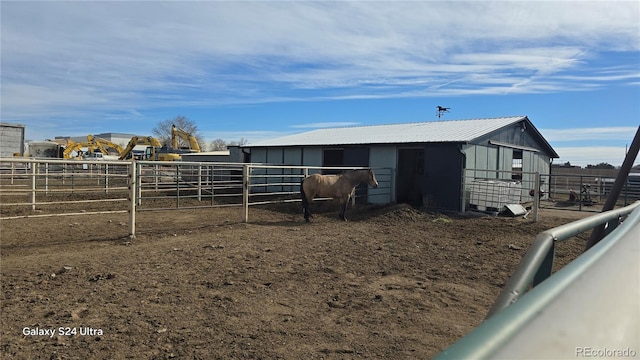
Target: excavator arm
[71,147]
[103,144]
[177,133]
[150,142]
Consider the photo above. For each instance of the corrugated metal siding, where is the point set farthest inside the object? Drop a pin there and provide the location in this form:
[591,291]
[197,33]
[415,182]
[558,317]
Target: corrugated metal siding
[383,157]
[419,132]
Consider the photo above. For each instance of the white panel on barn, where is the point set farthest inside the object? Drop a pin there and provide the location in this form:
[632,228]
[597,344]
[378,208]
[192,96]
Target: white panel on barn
[383,157]
[470,156]
[481,163]
[312,156]
[292,156]
[506,162]
[543,169]
[529,165]
[274,157]
[492,161]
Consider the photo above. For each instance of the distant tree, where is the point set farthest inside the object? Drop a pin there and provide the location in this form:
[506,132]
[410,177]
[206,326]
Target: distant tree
[218,144]
[567,164]
[601,165]
[221,144]
[162,131]
[240,142]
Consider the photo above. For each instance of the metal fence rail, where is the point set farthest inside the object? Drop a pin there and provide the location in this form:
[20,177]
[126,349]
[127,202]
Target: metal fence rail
[505,330]
[126,186]
[583,191]
[40,183]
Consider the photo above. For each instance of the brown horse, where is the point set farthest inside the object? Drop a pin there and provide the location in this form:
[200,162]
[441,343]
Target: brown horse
[340,186]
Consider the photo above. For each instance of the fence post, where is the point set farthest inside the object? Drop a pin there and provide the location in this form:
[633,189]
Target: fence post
[211,179]
[464,191]
[199,182]
[245,191]
[46,178]
[138,180]
[536,196]
[155,176]
[177,186]
[33,185]
[132,198]
[106,178]
[580,196]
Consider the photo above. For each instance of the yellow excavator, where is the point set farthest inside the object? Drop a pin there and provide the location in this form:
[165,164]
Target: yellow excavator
[91,145]
[103,144]
[73,146]
[154,150]
[178,133]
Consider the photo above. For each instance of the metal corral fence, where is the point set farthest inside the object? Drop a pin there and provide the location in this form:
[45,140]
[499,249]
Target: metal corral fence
[582,192]
[77,187]
[37,184]
[490,191]
[187,185]
[562,314]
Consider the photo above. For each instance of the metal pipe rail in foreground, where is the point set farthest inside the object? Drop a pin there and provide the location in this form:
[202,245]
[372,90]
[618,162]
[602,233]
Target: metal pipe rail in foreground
[537,263]
[591,304]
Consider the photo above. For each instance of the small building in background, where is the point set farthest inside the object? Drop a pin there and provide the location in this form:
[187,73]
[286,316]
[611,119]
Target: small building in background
[11,140]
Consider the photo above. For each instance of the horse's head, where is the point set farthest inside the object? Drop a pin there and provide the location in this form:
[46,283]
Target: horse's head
[372,179]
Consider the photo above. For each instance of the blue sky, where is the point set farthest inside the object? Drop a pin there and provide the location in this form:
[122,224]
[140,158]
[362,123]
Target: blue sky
[265,69]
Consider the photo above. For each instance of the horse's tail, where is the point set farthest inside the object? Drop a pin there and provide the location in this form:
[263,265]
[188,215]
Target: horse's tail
[305,201]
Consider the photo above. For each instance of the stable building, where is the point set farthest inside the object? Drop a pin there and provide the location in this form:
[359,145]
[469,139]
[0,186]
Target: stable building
[427,160]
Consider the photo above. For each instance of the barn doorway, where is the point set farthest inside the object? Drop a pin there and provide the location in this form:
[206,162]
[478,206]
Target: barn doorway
[410,176]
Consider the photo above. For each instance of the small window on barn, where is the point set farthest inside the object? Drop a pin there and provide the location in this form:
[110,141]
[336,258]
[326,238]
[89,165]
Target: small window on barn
[516,165]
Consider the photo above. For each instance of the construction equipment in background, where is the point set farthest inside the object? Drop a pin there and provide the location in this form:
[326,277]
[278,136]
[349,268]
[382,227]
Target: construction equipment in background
[91,145]
[102,145]
[177,133]
[72,147]
[154,151]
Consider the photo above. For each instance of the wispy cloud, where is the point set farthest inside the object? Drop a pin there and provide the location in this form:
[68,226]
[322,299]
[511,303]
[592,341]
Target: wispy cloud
[592,155]
[78,60]
[623,133]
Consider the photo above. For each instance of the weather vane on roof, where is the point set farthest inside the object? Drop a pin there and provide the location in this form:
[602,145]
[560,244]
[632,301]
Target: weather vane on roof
[442,110]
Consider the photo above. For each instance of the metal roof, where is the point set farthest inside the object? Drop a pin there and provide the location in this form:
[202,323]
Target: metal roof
[418,132]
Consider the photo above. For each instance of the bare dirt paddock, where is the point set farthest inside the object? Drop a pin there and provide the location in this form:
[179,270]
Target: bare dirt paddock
[394,282]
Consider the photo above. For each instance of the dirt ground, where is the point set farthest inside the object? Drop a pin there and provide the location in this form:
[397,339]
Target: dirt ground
[394,282]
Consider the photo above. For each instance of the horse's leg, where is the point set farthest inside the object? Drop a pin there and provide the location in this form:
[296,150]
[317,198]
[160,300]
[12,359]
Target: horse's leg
[306,200]
[307,210]
[343,208]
